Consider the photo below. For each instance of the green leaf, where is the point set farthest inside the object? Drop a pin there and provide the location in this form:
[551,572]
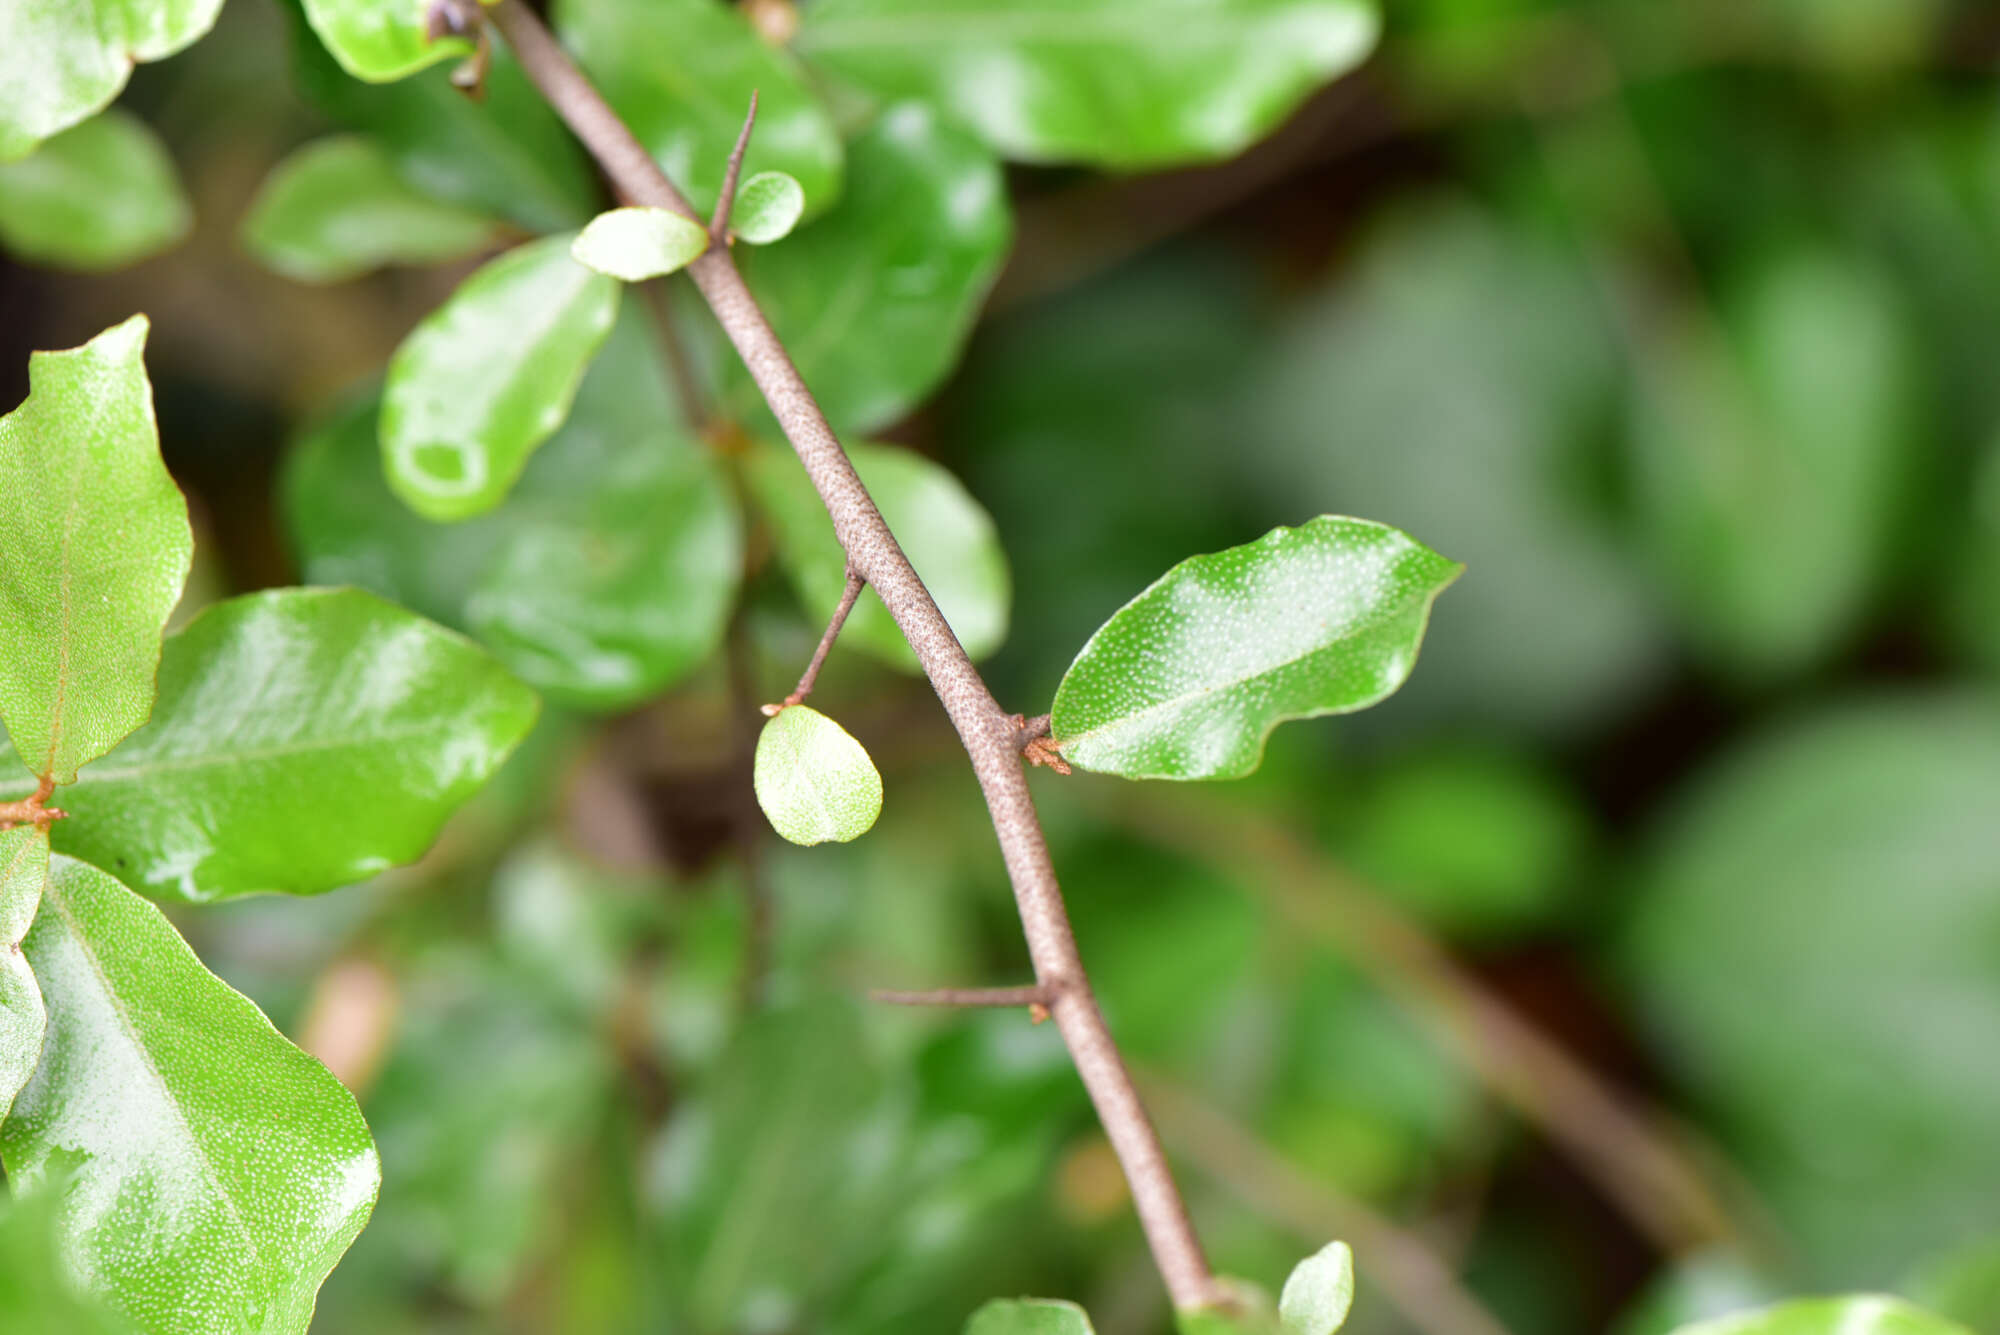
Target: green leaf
[1029,1316]
[606,575]
[304,739]
[768,206]
[94,548]
[814,781]
[61,63]
[97,196]
[337,208]
[167,1108]
[24,866]
[1125,83]
[1188,679]
[635,244]
[380,40]
[875,301]
[1868,1314]
[1319,1292]
[948,537]
[489,375]
[34,1292]
[687,112]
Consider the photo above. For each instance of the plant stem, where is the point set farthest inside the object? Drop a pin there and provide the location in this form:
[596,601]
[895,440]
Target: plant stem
[811,675]
[990,734]
[725,199]
[966,996]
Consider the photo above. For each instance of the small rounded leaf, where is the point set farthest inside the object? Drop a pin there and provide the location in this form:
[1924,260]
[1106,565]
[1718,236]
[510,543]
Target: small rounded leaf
[380,40]
[768,206]
[814,781]
[636,244]
[1029,1316]
[99,195]
[1319,1292]
[1863,1314]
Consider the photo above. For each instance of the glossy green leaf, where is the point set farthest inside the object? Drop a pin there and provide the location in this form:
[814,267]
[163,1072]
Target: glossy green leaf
[1319,1292]
[814,781]
[94,548]
[489,375]
[875,301]
[24,866]
[1029,1316]
[1188,679]
[167,1108]
[380,40]
[304,739]
[768,206]
[99,195]
[948,537]
[60,63]
[688,112]
[606,575]
[337,208]
[635,244]
[1868,1314]
[1126,83]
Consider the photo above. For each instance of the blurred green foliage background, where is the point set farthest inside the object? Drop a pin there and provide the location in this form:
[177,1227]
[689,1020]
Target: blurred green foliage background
[1675,322]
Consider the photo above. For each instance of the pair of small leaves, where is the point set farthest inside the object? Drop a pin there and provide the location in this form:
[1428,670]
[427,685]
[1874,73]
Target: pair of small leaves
[635,244]
[814,781]
[99,195]
[1316,1299]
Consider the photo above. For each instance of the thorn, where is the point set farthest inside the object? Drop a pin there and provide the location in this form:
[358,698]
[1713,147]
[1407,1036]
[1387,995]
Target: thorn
[718,224]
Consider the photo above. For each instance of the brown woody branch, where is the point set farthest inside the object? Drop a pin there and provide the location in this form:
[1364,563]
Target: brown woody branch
[989,733]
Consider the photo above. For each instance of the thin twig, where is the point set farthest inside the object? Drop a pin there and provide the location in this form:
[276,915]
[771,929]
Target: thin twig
[673,351]
[32,809]
[718,224]
[988,732]
[1031,996]
[811,675]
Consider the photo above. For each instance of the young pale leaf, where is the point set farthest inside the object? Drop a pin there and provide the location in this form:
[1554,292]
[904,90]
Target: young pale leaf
[1319,1292]
[488,376]
[876,299]
[304,739]
[380,40]
[62,62]
[167,1108]
[1865,1314]
[94,548]
[337,208]
[1029,1316]
[1188,679]
[814,781]
[99,195]
[688,112]
[768,206]
[946,534]
[1124,83]
[24,865]
[639,243]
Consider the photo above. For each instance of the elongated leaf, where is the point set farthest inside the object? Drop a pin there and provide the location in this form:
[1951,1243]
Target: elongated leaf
[875,301]
[1127,83]
[768,206]
[1188,679]
[94,548]
[167,1108]
[814,781]
[489,375]
[24,866]
[61,62]
[304,739]
[636,244]
[1319,1292]
[1029,1316]
[337,208]
[948,537]
[97,196]
[380,40]
[1868,1314]
[688,112]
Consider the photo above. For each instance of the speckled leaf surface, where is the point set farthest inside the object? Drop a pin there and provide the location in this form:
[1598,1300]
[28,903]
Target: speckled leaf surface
[24,865]
[304,739]
[490,375]
[768,206]
[1029,1316]
[814,781]
[1125,83]
[875,300]
[1318,1292]
[210,1174]
[635,244]
[97,196]
[60,62]
[1866,1314]
[94,548]
[688,112]
[947,535]
[336,208]
[380,40]
[1188,679]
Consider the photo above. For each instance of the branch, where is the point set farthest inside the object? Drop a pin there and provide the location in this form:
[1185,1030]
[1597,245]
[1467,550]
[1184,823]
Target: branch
[718,223]
[811,674]
[988,732]
[1036,998]
[32,809]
